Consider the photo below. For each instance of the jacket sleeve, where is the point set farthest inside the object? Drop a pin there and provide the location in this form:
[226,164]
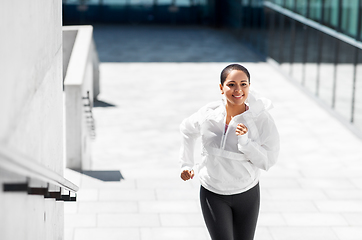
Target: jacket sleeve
[190,131]
[263,153]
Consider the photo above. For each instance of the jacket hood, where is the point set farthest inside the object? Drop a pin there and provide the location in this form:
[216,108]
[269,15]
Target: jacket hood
[256,103]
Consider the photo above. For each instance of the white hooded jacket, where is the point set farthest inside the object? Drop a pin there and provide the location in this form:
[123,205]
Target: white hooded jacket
[230,164]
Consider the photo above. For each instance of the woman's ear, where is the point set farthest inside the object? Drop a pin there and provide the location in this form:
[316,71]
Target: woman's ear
[221,88]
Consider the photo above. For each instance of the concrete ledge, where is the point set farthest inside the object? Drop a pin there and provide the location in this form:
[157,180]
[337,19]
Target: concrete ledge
[81,86]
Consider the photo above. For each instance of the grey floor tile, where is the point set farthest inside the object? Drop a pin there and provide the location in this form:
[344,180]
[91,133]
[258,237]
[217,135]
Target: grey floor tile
[182,220]
[126,194]
[126,220]
[346,206]
[80,220]
[303,233]
[107,233]
[108,207]
[353,219]
[348,233]
[169,207]
[263,233]
[87,194]
[312,193]
[174,233]
[287,206]
[314,219]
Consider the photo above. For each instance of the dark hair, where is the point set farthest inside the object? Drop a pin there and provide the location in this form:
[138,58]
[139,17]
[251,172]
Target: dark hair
[227,70]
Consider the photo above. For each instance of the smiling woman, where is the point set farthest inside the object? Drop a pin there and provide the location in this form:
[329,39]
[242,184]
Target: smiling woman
[239,138]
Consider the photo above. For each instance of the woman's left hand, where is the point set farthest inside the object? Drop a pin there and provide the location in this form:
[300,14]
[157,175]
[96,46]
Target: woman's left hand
[241,129]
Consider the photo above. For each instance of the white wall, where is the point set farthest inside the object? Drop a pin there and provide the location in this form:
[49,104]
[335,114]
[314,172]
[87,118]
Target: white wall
[81,77]
[31,108]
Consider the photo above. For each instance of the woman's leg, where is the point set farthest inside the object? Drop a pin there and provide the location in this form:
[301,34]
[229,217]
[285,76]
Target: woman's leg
[245,213]
[217,214]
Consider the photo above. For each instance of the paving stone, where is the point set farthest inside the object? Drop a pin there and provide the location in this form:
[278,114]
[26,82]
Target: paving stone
[303,233]
[179,233]
[128,220]
[151,79]
[314,219]
[108,207]
[348,233]
[107,233]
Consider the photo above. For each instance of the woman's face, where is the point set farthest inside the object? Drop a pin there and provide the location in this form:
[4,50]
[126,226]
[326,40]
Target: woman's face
[236,87]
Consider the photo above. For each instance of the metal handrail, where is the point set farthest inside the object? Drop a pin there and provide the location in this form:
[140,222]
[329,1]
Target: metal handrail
[25,166]
[314,24]
[90,119]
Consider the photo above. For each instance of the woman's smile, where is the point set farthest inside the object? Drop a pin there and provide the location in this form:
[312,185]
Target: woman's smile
[236,88]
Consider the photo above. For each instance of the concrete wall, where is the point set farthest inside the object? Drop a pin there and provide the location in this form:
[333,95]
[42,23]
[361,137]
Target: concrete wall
[31,103]
[82,76]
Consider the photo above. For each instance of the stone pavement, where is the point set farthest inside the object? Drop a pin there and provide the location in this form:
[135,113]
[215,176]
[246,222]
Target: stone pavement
[314,192]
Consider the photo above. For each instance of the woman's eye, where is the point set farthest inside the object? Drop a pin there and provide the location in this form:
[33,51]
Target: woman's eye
[231,85]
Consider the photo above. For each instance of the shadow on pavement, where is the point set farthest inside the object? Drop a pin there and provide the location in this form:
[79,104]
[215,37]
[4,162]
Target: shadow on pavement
[105,176]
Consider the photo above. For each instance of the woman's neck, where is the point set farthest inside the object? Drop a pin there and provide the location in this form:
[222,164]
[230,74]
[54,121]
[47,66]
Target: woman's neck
[233,110]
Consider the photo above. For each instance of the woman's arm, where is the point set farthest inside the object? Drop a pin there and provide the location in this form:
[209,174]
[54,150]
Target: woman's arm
[263,152]
[190,131]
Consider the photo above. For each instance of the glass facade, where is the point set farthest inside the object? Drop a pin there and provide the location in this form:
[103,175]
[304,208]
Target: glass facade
[317,42]
[325,61]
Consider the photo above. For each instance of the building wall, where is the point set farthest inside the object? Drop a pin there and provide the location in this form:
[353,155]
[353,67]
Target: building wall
[31,103]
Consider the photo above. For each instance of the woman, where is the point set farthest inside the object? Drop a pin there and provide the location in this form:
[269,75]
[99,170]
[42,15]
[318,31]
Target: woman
[239,138]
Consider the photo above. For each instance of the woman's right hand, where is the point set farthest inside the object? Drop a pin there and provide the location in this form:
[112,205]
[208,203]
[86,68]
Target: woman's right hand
[186,175]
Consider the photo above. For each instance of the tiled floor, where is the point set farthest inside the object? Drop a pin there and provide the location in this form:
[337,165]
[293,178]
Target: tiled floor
[313,193]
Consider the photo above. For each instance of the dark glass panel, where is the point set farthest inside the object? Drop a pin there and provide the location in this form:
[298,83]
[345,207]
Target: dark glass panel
[344,79]
[301,7]
[285,49]
[358,93]
[315,10]
[311,64]
[298,64]
[326,69]
[331,13]
[289,4]
[350,17]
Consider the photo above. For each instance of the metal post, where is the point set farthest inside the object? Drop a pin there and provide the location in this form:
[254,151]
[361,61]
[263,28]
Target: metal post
[271,33]
[357,52]
[320,44]
[336,54]
[292,46]
[359,25]
[281,37]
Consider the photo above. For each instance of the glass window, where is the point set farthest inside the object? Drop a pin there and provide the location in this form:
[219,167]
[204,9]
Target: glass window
[301,7]
[279,2]
[315,10]
[257,3]
[286,45]
[344,80]
[350,17]
[140,2]
[87,2]
[357,119]
[164,2]
[289,4]
[298,61]
[311,64]
[326,69]
[246,2]
[115,2]
[331,13]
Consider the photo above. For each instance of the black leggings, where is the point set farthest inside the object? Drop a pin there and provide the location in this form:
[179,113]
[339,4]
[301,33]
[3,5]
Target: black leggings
[231,217]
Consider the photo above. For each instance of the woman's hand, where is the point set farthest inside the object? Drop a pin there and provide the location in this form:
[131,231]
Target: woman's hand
[186,174]
[241,129]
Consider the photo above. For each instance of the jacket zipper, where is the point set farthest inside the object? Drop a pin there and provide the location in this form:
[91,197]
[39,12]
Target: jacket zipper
[223,139]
